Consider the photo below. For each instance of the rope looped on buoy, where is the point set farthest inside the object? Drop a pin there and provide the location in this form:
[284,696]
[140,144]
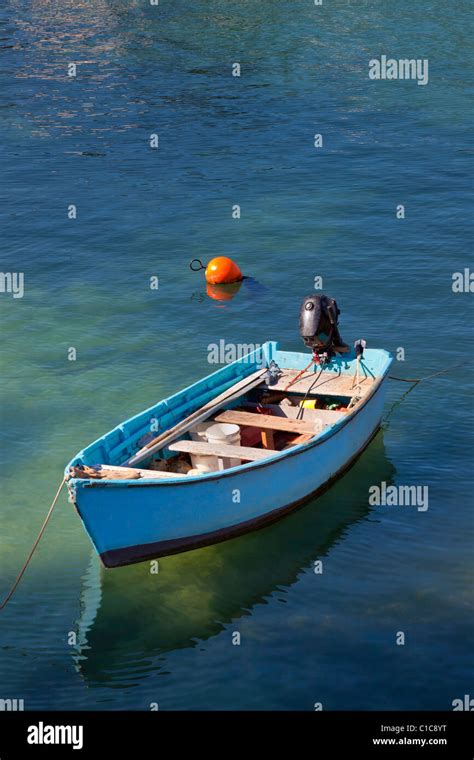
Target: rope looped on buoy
[201,265]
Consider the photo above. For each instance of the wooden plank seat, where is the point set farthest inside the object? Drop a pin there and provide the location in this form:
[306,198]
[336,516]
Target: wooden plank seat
[291,411]
[268,424]
[327,384]
[221,450]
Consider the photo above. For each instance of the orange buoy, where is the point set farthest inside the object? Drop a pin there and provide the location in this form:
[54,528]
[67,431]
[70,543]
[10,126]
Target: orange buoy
[222,270]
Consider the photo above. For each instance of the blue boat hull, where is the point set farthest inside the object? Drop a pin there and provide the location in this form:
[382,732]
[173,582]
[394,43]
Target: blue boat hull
[131,521]
[141,552]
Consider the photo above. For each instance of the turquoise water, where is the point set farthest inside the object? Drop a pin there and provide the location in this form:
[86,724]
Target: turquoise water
[305,212]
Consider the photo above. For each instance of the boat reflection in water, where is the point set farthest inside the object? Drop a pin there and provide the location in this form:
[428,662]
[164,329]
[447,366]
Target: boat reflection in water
[131,615]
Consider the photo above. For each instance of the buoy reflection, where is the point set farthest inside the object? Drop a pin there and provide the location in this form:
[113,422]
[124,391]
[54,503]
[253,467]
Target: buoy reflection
[223,292]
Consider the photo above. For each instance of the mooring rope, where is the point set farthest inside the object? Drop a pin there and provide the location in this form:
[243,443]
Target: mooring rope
[33,548]
[414,382]
[427,377]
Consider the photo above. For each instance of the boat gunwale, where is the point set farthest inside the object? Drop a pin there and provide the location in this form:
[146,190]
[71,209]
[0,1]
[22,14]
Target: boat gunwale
[281,455]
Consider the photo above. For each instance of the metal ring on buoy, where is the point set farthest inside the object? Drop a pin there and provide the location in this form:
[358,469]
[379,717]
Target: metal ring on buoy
[201,265]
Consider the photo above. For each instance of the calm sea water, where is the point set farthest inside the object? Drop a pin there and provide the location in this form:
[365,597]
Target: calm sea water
[305,212]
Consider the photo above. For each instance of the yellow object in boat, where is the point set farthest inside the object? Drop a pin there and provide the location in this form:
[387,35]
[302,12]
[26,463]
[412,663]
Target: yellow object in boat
[308,404]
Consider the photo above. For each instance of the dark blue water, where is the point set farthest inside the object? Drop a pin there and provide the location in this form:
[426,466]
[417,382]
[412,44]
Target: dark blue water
[306,638]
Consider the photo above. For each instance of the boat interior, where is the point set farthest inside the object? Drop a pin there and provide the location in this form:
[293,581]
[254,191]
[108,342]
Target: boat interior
[256,425]
[262,422]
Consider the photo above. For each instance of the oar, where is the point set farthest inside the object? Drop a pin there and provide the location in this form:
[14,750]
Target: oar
[198,416]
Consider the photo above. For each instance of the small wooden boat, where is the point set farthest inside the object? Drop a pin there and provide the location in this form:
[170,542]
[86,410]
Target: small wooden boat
[299,430]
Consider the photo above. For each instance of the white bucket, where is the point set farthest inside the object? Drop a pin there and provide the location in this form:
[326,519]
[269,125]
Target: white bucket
[198,432]
[205,462]
[199,461]
[223,433]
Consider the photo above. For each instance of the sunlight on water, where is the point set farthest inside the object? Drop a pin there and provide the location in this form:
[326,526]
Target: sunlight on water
[84,140]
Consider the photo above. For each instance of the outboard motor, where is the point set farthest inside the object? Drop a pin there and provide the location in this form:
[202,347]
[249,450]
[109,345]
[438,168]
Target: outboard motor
[318,326]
